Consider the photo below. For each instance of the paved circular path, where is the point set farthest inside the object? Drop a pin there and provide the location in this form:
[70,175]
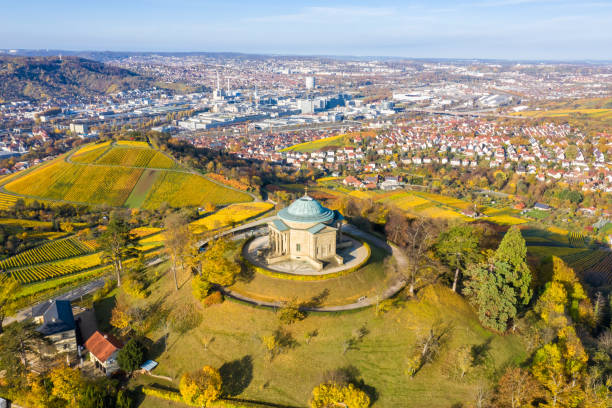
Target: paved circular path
[397,284]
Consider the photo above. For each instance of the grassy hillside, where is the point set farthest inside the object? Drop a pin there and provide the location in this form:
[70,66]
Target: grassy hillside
[39,78]
[379,358]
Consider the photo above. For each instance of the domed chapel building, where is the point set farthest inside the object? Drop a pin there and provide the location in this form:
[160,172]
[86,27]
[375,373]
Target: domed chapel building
[305,231]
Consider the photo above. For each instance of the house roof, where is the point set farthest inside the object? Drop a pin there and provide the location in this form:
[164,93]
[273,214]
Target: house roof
[57,318]
[316,228]
[281,226]
[102,345]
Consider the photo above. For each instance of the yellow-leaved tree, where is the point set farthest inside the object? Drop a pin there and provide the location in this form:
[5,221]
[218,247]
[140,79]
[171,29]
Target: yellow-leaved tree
[331,395]
[67,383]
[201,387]
[559,367]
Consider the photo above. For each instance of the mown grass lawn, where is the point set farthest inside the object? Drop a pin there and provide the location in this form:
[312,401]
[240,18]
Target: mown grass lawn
[234,331]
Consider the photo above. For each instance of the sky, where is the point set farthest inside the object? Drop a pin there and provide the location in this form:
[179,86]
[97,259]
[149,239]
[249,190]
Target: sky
[495,29]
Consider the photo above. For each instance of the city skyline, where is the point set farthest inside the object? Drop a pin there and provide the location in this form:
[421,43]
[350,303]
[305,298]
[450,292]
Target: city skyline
[489,29]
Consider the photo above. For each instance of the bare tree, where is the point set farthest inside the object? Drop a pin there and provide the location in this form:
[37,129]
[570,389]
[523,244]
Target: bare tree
[177,239]
[418,238]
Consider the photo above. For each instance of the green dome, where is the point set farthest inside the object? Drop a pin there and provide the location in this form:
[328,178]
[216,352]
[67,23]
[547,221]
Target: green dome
[308,210]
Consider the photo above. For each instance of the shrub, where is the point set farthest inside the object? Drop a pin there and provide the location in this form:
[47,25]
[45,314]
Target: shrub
[214,298]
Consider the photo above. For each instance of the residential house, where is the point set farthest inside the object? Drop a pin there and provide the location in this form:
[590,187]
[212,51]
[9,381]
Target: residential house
[58,326]
[103,350]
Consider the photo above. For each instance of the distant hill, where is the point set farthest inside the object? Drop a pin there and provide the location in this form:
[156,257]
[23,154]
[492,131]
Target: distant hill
[39,78]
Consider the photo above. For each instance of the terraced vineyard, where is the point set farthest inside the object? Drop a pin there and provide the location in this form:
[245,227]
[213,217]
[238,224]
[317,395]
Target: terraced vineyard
[184,189]
[7,201]
[65,181]
[583,261]
[89,154]
[578,240]
[52,251]
[601,272]
[55,269]
[136,157]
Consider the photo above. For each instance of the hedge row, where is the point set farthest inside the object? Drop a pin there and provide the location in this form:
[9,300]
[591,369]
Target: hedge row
[281,275]
[176,397]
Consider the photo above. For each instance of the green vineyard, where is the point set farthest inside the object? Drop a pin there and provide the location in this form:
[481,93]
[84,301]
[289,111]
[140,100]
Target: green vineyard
[581,261]
[601,272]
[578,240]
[52,251]
[55,269]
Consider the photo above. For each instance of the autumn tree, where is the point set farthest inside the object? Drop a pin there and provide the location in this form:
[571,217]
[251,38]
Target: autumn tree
[457,247]
[67,383]
[564,297]
[560,366]
[416,242]
[176,240]
[217,266]
[517,388]
[201,387]
[334,395]
[8,289]
[117,243]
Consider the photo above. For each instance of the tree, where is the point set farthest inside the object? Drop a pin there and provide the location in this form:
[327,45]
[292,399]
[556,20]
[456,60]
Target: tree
[67,383]
[564,296]
[117,243]
[201,387]
[500,287]
[513,251]
[131,356]
[457,247]
[98,394]
[517,388]
[217,267]
[417,239]
[8,288]
[559,367]
[426,349]
[333,395]
[176,239]
[291,312]
[124,400]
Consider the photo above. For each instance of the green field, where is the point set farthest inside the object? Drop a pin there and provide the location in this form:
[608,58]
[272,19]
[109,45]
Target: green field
[142,187]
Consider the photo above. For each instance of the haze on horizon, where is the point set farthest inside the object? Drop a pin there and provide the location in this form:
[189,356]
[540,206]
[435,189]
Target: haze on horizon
[505,29]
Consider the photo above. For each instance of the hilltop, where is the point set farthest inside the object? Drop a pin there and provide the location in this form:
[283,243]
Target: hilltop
[131,174]
[39,77]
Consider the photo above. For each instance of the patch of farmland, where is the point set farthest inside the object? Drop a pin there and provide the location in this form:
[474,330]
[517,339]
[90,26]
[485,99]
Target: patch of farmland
[90,154]
[54,269]
[15,222]
[103,185]
[229,215]
[190,190]
[437,212]
[132,143]
[7,201]
[142,187]
[55,250]
[135,157]
[49,181]
[562,252]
